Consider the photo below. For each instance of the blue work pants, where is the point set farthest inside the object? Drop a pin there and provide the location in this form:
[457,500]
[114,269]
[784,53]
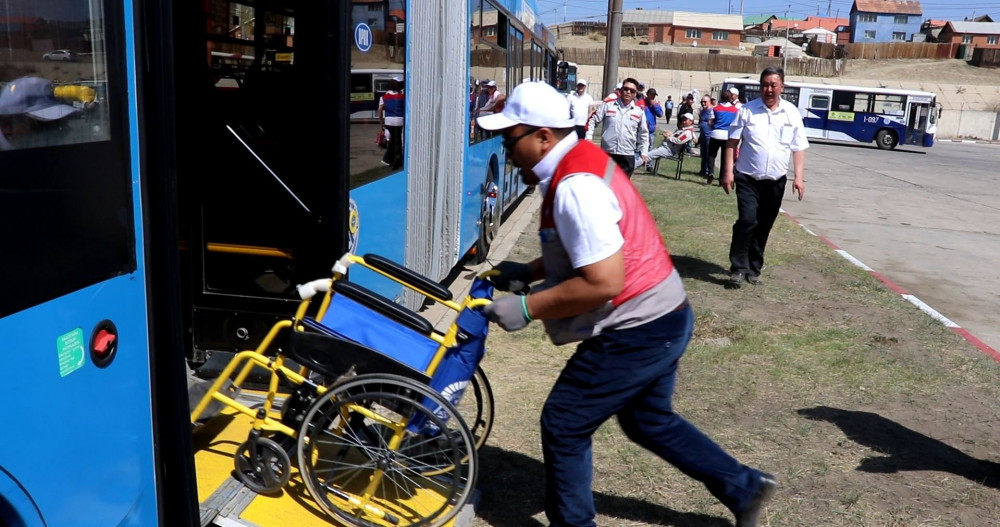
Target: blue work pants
[629,373]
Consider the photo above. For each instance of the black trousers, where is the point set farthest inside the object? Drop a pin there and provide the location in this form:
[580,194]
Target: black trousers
[626,161]
[758,202]
[581,131]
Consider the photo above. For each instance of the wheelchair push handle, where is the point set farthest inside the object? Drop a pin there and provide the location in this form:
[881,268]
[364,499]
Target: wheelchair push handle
[516,286]
[311,289]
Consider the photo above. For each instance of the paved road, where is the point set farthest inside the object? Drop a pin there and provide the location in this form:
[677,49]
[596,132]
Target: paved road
[926,219]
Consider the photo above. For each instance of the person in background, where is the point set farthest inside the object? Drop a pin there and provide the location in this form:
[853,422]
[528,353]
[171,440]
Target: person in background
[611,287]
[625,131]
[580,102]
[725,114]
[705,117]
[615,94]
[482,96]
[493,96]
[668,108]
[391,109]
[735,92]
[640,96]
[653,111]
[686,106]
[770,130]
[674,142]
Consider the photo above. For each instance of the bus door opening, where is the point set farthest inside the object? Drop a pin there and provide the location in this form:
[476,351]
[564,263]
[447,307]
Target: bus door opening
[916,125]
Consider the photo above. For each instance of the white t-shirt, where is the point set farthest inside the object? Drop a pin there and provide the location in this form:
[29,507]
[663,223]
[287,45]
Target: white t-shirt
[581,107]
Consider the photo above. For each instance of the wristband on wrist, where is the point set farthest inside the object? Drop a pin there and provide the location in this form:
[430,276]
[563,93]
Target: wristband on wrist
[524,308]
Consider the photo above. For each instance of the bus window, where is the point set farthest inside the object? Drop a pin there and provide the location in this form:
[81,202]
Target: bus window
[382,27]
[819,102]
[849,101]
[57,99]
[890,104]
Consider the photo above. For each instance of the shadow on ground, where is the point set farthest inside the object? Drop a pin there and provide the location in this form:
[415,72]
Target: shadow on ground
[698,269]
[903,449]
[513,490]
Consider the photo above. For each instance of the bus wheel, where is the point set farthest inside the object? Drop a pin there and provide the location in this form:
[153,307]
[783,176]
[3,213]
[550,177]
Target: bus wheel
[489,218]
[886,139]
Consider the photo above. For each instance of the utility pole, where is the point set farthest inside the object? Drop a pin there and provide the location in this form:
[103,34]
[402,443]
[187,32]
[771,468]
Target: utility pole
[829,7]
[613,44]
[784,49]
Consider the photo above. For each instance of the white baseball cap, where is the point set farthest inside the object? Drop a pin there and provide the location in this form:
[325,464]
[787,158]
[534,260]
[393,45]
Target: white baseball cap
[734,90]
[581,81]
[533,104]
[618,86]
[491,83]
[687,115]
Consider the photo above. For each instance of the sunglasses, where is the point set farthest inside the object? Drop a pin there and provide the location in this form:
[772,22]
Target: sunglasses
[628,90]
[509,142]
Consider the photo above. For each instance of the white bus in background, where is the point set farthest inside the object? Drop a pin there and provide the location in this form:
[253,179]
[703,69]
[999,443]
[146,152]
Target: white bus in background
[857,114]
[367,87]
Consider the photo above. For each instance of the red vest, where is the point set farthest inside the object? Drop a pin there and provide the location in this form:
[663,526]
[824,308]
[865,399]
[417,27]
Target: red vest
[647,261]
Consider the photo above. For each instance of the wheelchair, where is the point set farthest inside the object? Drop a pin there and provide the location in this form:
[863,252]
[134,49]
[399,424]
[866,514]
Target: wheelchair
[371,416]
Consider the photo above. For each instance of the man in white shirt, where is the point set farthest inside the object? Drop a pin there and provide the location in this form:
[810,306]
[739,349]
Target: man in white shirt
[580,102]
[767,130]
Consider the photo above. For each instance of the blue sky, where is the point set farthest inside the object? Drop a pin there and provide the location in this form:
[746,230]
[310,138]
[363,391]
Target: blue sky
[553,11]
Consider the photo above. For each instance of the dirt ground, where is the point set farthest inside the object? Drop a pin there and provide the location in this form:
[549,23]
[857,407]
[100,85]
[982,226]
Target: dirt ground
[869,412]
[951,71]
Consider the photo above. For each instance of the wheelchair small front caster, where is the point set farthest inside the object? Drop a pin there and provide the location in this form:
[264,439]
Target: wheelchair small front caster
[262,465]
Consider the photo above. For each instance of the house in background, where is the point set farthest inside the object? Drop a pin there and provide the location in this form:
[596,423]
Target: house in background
[885,20]
[932,28]
[680,28]
[978,34]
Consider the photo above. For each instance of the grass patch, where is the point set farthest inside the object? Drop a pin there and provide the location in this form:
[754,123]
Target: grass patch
[869,411]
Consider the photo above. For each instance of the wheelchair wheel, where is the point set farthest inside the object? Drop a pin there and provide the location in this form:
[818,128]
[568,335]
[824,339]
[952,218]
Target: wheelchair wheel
[476,407]
[262,465]
[373,452]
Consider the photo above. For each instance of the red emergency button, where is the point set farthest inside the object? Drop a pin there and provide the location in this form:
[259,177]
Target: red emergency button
[103,343]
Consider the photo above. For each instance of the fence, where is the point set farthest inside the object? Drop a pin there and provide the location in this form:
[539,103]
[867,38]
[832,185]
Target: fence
[900,50]
[672,60]
[986,58]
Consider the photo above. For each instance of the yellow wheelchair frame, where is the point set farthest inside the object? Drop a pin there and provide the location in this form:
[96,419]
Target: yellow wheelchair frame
[358,452]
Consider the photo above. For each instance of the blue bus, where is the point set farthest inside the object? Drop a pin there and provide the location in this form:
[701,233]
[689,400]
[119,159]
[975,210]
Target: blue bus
[155,220]
[886,117]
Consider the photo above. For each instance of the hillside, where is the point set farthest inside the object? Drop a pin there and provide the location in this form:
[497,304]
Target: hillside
[951,71]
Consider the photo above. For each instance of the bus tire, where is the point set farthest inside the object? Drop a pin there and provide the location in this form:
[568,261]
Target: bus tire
[489,218]
[886,139]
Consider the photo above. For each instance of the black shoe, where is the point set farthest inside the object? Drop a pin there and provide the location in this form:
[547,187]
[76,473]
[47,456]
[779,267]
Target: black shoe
[736,278]
[753,279]
[748,516]
[709,180]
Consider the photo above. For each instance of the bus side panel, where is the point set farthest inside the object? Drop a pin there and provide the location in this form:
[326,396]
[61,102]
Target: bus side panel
[81,443]
[815,122]
[477,163]
[382,211]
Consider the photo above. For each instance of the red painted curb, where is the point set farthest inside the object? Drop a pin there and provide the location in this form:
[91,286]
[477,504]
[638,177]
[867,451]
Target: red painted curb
[980,345]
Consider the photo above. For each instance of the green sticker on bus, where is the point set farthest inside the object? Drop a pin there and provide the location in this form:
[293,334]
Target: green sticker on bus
[842,116]
[71,352]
